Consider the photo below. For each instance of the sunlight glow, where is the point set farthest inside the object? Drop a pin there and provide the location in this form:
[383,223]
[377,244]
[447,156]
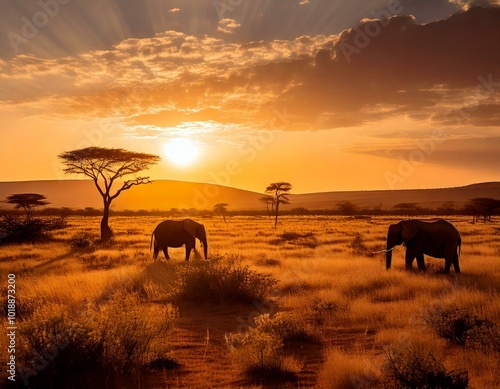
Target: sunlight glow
[181,151]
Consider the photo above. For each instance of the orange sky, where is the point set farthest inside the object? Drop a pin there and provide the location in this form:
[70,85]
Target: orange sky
[321,94]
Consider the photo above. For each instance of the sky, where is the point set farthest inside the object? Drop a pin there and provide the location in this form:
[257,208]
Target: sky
[325,94]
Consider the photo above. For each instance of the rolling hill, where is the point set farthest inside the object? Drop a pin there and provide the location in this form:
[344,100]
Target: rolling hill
[166,194]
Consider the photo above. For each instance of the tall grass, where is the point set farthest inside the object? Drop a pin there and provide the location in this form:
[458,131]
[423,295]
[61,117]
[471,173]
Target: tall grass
[333,288]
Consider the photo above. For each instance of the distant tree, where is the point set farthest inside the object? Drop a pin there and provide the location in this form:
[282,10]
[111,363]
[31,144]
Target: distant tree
[347,208]
[409,208]
[279,192]
[482,207]
[220,208]
[269,201]
[105,167]
[27,201]
[448,207]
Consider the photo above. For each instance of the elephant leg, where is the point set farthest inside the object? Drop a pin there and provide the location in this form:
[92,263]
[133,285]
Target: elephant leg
[456,265]
[155,253]
[165,251]
[447,264]
[410,256]
[420,262]
[188,252]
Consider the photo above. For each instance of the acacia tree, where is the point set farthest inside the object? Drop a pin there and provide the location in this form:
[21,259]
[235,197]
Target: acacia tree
[27,201]
[279,192]
[107,166]
[269,201]
[483,206]
[221,209]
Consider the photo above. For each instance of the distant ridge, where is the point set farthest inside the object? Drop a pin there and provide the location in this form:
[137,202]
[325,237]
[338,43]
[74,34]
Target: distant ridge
[168,194]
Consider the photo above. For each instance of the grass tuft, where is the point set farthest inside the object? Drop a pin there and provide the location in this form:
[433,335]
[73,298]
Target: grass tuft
[416,367]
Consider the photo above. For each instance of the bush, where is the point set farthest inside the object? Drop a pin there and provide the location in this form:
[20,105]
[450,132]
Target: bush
[307,239]
[105,345]
[414,367]
[222,281]
[19,230]
[322,310]
[259,352]
[358,246]
[465,328]
[287,327]
[82,241]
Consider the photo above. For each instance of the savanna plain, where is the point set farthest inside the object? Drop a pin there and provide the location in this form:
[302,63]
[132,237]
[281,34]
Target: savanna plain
[305,305]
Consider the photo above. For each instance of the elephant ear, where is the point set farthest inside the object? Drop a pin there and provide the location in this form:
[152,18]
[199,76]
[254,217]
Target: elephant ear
[190,227]
[409,231]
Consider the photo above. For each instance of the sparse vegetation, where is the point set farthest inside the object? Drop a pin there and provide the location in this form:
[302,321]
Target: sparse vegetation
[14,229]
[306,239]
[415,367]
[320,317]
[259,351]
[107,343]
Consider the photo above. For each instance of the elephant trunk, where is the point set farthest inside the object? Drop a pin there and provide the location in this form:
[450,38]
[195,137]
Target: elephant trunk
[205,249]
[388,254]
[202,236]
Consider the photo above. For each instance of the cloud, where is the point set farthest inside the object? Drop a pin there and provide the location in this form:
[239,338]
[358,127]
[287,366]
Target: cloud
[228,26]
[373,72]
[466,4]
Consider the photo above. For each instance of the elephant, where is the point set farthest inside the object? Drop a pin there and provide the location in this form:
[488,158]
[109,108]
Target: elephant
[173,233]
[438,239]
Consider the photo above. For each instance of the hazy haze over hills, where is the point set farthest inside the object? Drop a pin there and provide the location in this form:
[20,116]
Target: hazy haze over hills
[166,194]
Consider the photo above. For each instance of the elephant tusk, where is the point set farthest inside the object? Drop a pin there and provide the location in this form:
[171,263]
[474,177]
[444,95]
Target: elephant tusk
[383,251]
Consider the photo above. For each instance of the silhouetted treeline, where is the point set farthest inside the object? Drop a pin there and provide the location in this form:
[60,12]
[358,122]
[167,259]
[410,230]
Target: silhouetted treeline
[478,208]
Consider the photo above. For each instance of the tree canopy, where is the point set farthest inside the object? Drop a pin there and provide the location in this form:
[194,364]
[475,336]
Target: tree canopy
[27,201]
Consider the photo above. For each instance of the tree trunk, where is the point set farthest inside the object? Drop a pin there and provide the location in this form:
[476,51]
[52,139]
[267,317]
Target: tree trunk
[276,217]
[106,233]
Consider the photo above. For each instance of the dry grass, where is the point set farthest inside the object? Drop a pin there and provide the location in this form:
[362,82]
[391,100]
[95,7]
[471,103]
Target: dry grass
[327,279]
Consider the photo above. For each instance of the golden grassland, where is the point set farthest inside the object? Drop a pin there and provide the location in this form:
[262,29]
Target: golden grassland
[328,281]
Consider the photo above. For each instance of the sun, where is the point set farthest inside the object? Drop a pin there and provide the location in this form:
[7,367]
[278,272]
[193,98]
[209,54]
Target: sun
[181,151]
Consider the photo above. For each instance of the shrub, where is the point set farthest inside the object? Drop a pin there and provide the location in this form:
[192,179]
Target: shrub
[322,310]
[98,346]
[19,230]
[220,281]
[307,239]
[259,353]
[287,327]
[82,241]
[414,367]
[358,246]
[462,327]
